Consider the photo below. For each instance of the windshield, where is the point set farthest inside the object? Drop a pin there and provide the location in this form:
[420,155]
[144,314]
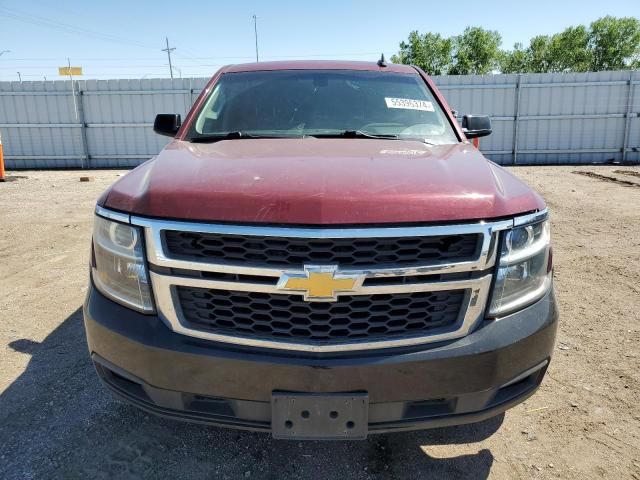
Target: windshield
[296,103]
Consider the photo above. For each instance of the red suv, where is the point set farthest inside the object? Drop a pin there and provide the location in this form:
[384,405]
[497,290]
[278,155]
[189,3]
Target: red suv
[321,253]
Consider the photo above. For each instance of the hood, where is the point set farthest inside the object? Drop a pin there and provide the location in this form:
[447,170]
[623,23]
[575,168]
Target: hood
[320,181]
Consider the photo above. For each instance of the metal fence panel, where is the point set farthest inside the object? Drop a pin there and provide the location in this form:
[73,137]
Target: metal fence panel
[543,119]
[633,129]
[39,125]
[558,118]
[119,115]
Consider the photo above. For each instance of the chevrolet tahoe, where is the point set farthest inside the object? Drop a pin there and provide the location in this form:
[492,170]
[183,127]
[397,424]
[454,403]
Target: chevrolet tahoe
[321,253]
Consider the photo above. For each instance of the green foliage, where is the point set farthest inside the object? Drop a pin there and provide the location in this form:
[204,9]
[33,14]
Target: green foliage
[538,55]
[614,43]
[430,51]
[567,51]
[570,50]
[515,61]
[476,51]
[609,43]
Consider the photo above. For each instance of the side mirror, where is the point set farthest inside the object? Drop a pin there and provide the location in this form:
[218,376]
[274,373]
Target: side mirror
[167,124]
[475,126]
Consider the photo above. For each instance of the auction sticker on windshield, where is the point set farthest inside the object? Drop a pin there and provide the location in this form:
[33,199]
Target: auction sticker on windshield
[409,104]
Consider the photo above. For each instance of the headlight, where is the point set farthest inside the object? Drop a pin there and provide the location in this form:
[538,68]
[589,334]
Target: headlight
[524,272]
[118,266]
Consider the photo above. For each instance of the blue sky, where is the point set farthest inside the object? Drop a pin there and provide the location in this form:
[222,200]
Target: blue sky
[123,39]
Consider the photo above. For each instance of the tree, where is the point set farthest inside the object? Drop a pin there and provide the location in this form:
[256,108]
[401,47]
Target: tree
[569,50]
[431,52]
[514,61]
[609,43]
[614,43]
[538,54]
[477,51]
[562,52]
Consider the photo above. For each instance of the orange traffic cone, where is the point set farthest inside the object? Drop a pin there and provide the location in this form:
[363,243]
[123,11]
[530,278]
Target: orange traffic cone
[475,142]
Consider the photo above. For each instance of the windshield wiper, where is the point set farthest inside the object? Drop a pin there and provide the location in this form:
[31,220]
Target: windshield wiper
[355,134]
[237,135]
[363,134]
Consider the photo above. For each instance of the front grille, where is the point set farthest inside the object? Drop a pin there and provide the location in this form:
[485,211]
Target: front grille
[288,317]
[346,252]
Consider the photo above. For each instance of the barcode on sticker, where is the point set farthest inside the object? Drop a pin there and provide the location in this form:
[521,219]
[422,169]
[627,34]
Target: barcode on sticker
[409,104]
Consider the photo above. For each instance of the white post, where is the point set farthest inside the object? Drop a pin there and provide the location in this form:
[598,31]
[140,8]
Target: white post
[73,90]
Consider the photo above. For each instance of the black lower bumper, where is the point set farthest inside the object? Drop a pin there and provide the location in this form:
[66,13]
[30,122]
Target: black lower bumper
[462,381]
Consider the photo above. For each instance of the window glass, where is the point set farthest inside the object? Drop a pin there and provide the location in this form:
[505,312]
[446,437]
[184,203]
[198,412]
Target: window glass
[316,102]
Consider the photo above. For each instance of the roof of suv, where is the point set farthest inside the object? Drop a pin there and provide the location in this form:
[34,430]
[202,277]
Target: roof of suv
[317,65]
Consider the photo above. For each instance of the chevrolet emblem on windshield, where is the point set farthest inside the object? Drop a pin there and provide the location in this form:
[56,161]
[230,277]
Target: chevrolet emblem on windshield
[320,283]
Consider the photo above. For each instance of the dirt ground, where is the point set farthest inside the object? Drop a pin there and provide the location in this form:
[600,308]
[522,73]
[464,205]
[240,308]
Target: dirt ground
[56,421]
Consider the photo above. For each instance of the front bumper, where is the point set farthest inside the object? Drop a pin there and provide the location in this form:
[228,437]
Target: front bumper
[462,381]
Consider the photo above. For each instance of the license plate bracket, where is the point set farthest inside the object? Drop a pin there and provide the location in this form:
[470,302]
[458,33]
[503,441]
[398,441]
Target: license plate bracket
[310,416]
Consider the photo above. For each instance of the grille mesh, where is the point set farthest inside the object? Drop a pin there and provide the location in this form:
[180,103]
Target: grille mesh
[354,252]
[289,317]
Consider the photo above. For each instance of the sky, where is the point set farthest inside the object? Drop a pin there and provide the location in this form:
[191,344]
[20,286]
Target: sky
[124,39]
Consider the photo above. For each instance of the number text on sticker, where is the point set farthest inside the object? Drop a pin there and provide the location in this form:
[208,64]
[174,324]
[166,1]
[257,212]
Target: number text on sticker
[409,104]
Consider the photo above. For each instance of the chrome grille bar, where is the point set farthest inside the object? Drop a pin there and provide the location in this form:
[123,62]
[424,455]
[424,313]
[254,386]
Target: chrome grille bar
[470,313]
[476,287]
[158,256]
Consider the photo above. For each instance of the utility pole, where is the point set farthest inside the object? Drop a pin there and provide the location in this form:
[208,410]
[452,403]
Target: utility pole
[255,31]
[169,50]
[73,89]
[19,77]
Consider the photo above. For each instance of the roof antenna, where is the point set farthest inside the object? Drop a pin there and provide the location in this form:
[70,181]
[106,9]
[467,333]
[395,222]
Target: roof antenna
[382,62]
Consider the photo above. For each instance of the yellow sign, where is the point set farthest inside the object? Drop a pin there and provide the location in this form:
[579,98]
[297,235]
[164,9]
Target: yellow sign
[68,71]
[319,283]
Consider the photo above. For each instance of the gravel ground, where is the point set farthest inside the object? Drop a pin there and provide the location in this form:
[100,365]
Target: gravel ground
[56,421]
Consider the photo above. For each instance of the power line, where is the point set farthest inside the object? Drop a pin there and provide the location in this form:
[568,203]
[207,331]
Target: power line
[64,27]
[374,55]
[75,30]
[89,75]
